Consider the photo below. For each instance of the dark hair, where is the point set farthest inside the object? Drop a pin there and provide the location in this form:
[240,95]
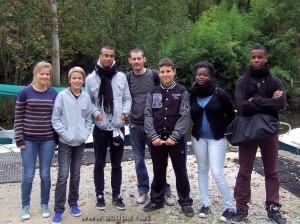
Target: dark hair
[108,47]
[136,50]
[207,65]
[166,62]
[259,47]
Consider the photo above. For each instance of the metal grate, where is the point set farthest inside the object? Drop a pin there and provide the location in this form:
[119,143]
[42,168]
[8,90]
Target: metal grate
[11,165]
[289,173]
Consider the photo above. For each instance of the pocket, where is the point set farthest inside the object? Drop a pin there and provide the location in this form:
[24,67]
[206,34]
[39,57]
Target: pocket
[131,125]
[118,123]
[120,89]
[101,124]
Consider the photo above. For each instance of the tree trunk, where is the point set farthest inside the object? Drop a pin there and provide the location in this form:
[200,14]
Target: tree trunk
[55,59]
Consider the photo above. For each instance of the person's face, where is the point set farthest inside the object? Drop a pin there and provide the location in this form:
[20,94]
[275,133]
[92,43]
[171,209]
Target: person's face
[258,59]
[107,57]
[137,60]
[43,76]
[76,80]
[166,75]
[202,76]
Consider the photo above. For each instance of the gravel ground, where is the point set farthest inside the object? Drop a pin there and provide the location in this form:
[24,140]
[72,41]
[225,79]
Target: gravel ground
[11,205]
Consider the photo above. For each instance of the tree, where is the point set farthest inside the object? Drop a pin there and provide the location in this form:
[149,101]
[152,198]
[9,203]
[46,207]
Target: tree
[22,39]
[55,59]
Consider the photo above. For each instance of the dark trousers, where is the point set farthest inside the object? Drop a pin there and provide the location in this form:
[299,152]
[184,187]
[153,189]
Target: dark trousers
[69,160]
[159,157]
[103,139]
[269,153]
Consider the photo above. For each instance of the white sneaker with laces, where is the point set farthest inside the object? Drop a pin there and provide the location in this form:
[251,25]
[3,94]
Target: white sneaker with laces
[169,200]
[141,198]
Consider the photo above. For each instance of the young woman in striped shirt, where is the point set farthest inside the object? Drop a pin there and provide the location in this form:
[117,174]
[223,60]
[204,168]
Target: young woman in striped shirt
[35,136]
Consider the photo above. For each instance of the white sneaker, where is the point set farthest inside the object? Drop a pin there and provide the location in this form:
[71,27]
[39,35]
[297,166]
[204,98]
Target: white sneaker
[141,198]
[25,212]
[45,210]
[169,200]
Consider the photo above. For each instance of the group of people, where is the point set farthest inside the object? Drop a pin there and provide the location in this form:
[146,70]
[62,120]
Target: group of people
[159,110]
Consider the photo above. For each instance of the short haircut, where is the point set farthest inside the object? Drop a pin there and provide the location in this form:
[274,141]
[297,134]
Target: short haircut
[136,50]
[166,62]
[108,47]
[207,65]
[259,47]
[76,69]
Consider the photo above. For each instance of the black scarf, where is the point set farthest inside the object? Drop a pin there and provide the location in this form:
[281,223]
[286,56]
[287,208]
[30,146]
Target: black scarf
[105,92]
[264,72]
[207,89]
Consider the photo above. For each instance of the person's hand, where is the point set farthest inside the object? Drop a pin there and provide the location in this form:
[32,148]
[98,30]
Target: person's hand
[99,117]
[277,94]
[22,147]
[250,99]
[158,142]
[122,117]
[170,142]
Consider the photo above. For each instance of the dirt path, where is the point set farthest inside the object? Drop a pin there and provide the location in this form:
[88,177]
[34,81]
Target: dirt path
[10,202]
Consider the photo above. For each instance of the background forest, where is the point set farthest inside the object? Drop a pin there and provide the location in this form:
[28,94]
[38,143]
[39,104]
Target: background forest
[187,31]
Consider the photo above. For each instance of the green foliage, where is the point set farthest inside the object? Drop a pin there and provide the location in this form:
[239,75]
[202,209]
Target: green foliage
[222,32]
[224,35]
[7,108]
[215,39]
[23,40]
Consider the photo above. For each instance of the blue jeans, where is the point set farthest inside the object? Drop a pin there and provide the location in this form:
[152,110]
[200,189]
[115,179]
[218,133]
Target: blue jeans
[69,160]
[138,140]
[211,154]
[44,150]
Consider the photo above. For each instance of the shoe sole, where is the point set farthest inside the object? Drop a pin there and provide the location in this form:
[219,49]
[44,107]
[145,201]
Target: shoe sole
[46,215]
[189,214]
[120,208]
[223,219]
[201,215]
[273,221]
[76,215]
[147,210]
[243,220]
[101,208]
[141,202]
[25,217]
[55,222]
[169,204]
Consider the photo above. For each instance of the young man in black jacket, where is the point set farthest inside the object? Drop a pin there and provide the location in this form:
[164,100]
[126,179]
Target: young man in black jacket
[167,117]
[257,91]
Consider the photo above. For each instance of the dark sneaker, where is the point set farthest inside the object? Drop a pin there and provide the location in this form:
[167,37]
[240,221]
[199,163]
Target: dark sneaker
[204,210]
[188,211]
[239,216]
[57,217]
[152,206]
[227,215]
[100,202]
[274,214]
[118,203]
[75,210]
